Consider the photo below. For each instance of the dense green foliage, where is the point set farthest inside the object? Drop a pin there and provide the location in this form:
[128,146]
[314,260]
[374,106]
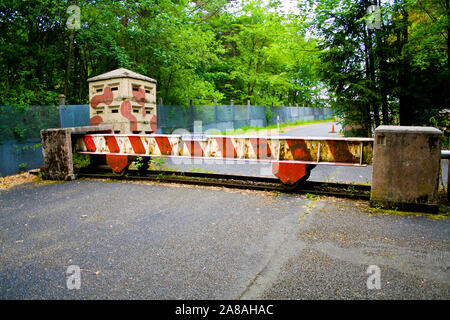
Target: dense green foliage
[195,50]
[396,72]
[210,50]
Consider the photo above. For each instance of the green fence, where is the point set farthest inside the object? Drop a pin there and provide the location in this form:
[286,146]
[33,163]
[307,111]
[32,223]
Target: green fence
[223,117]
[20,143]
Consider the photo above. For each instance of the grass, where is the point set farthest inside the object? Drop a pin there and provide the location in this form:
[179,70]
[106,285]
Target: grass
[200,170]
[310,206]
[442,214]
[80,160]
[38,179]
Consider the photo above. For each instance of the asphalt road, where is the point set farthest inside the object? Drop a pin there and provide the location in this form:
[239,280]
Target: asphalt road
[154,241]
[322,129]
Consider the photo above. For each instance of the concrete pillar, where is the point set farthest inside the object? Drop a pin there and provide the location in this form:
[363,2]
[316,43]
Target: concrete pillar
[57,150]
[57,154]
[406,166]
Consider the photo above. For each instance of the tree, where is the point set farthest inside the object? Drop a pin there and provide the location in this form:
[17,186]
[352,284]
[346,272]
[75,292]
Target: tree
[267,58]
[400,69]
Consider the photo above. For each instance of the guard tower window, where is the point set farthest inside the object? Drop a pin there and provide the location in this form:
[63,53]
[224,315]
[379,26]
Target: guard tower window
[148,90]
[97,89]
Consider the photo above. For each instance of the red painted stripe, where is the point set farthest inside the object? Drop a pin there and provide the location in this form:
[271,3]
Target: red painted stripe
[107,97]
[89,143]
[289,173]
[226,147]
[137,144]
[125,110]
[154,124]
[117,163]
[195,148]
[299,149]
[261,148]
[112,145]
[140,98]
[164,145]
[95,120]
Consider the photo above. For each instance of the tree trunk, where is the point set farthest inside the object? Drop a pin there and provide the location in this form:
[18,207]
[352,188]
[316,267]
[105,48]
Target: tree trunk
[66,80]
[383,80]
[372,86]
[406,102]
[367,117]
[166,91]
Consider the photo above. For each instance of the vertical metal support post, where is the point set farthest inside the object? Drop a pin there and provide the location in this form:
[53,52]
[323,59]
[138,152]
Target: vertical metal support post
[279,150]
[318,153]
[192,115]
[216,119]
[232,111]
[361,153]
[248,112]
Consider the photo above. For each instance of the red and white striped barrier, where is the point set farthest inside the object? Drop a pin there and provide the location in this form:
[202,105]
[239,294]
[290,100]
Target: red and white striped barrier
[289,153]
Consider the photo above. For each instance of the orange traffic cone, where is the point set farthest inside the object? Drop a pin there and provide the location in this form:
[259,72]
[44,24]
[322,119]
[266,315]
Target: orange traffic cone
[332,128]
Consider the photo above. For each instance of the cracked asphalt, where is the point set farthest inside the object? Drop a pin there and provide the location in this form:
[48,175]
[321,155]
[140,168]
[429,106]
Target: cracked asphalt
[157,241]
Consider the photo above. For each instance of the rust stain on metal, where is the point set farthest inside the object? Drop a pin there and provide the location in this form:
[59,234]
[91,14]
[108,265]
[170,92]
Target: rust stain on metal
[299,149]
[340,151]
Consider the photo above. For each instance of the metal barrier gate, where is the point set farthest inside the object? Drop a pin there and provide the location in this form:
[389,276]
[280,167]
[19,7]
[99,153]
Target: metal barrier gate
[292,158]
